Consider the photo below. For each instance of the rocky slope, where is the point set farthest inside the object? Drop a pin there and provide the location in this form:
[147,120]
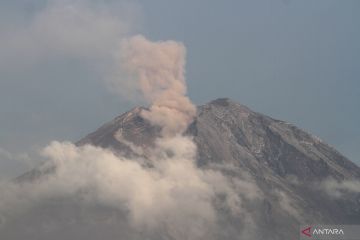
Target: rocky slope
[287,177]
[297,173]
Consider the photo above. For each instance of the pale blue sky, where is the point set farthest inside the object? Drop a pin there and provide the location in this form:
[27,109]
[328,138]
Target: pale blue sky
[295,60]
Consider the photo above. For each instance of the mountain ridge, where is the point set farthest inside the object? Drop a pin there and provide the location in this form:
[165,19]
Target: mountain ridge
[285,176]
[132,118]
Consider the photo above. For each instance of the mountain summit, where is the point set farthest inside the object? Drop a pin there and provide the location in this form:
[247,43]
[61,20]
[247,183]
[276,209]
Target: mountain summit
[284,176]
[301,178]
[229,133]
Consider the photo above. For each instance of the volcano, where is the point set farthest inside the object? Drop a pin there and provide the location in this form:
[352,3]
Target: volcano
[295,177]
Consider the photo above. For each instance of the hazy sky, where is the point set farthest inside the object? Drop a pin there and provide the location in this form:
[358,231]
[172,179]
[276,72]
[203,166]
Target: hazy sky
[295,60]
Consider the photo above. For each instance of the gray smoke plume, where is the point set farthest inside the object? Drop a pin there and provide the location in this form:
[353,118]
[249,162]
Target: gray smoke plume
[158,70]
[173,199]
[89,192]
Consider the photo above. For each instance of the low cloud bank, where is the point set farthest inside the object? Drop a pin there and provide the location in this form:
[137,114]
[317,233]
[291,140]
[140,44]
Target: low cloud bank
[173,196]
[338,189]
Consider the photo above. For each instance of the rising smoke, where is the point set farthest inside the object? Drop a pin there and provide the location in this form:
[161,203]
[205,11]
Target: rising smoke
[158,67]
[173,199]
[89,192]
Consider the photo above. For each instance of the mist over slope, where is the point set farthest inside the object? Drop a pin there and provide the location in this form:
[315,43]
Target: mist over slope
[253,177]
[294,176]
[167,171]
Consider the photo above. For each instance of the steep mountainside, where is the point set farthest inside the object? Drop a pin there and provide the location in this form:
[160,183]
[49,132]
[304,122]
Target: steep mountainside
[300,178]
[284,176]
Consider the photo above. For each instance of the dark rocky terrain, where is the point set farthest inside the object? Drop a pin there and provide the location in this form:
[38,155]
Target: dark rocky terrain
[296,178]
[290,166]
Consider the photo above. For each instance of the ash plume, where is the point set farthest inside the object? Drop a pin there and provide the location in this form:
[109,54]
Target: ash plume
[148,202]
[158,70]
[172,199]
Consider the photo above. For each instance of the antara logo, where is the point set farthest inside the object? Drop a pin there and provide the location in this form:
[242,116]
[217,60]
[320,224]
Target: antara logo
[328,231]
[306,231]
[321,231]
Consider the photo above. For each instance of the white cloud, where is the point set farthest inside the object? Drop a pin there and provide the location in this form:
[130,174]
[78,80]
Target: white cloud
[172,196]
[337,189]
[70,29]
[286,204]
